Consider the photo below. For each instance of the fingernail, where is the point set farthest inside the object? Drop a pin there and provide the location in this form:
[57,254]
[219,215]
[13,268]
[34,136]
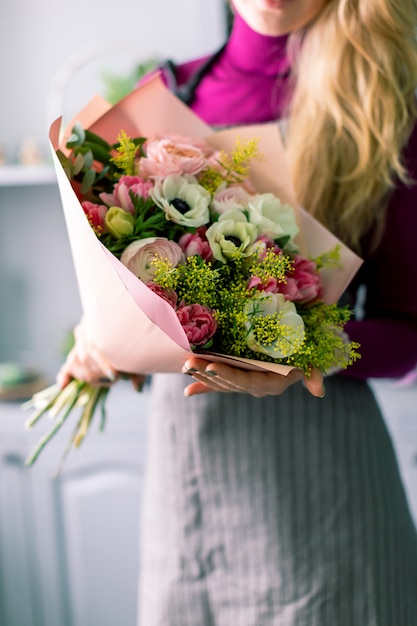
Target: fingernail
[189,370]
[211,372]
[104,380]
[111,375]
[323,393]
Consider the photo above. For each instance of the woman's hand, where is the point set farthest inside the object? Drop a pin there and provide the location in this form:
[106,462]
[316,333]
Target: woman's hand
[221,377]
[85,362]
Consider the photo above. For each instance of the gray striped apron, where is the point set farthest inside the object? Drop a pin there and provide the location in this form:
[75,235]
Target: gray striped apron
[281,511]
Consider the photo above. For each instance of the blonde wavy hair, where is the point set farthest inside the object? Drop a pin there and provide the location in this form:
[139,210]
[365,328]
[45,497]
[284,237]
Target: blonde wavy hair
[352,112]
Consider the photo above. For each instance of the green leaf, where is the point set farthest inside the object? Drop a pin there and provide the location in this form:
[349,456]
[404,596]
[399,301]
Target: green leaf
[103,173]
[282,241]
[63,159]
[77,136]
[88,159]
[88,181]
[93,138]
[100,154]
[139,141]
[206,346]
[78,164]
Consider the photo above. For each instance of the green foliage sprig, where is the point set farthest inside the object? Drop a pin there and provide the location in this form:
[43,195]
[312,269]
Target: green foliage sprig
[233,167]
[223,288]
[96,164]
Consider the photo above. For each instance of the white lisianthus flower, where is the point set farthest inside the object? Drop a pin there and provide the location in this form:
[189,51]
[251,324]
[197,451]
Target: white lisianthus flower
[273,218]
[232,197]
[229,238]
[290,326]
[138,255]
[184,201]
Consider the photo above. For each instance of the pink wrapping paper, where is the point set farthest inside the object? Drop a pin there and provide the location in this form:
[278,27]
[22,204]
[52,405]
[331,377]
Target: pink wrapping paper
[138,331]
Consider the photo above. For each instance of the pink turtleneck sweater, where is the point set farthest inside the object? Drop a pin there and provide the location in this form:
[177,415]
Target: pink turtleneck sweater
[249,84]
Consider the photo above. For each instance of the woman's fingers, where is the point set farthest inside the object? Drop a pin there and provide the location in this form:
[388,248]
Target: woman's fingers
[63,378]
[209,381]
[137,381]
[222,377]
[87,369]
[95,364]
[197,388]
[85,362]
[314,383]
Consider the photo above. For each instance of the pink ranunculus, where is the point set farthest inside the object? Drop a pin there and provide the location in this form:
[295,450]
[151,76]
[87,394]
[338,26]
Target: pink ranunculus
[198,323]
[169,295]
[196,244]
[122,189]
[232,197]
[139,255]
[166,157]
[95,214]
[303,283]
[202,145]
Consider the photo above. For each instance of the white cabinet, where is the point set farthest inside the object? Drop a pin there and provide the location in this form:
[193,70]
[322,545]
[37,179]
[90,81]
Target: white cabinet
[69,549]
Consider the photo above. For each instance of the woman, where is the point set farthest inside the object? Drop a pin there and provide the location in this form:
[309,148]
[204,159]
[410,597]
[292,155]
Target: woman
[268,506]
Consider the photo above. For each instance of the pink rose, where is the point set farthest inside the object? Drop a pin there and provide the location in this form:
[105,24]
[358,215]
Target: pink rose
[165,157]
[264,244]
[168,295]
[303,283]
[193,244]
[122,189]
[198,323]
[138,256]
[271,285]
[95,214]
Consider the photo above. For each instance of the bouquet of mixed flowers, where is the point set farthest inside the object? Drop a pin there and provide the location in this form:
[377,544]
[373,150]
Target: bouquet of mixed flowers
[214,262]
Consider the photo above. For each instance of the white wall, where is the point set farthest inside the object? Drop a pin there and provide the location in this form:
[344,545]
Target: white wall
[42,46]
[40,39]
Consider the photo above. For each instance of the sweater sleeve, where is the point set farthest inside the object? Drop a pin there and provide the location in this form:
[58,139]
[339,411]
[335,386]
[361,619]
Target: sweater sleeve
[388,331]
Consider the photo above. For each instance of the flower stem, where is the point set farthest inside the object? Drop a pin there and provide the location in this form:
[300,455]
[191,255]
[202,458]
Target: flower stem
[103,412]
[46,438]
[87,415]
[41,411]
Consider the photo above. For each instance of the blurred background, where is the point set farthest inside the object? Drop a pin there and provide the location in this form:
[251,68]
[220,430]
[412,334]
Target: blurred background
[56,57]
[69,553]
